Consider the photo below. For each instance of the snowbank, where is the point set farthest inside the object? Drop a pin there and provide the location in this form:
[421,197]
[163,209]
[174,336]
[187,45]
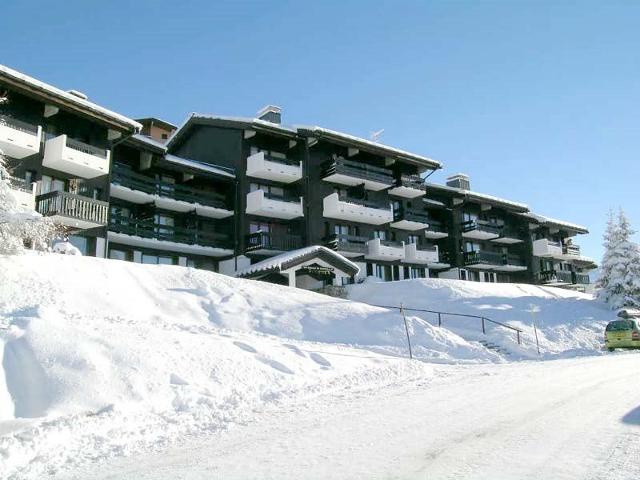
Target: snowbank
[567,322]
[104,358]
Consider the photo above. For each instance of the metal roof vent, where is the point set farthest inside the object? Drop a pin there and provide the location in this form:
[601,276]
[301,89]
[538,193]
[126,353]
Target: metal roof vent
[459,180]
[79,94]
[270,113]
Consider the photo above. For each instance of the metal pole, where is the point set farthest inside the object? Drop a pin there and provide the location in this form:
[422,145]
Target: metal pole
[406,329]
[483,329]
[439,319]
[518,335]
[535,331]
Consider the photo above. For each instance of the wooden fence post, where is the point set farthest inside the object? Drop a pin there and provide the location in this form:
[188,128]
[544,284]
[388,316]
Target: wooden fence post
[406,329]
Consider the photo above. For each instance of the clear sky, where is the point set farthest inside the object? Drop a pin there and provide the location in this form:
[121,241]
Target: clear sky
[537,101]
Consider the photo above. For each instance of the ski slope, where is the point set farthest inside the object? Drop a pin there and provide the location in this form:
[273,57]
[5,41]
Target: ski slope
[567,419]
[103,359]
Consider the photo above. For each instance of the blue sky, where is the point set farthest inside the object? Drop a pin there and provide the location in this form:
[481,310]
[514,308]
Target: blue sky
[536,101]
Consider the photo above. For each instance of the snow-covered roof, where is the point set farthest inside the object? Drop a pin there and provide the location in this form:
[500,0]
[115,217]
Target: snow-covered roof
[239,122]
[72,100]
[480,196]
[205,167]
[554,222]
[288,259]
[149,141]
[369,144]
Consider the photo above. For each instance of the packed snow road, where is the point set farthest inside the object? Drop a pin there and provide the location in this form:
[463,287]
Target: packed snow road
[564,419]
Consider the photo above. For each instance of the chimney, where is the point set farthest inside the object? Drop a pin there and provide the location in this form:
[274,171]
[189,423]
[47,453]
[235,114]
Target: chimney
[459,180]
[270,113]
[78,94]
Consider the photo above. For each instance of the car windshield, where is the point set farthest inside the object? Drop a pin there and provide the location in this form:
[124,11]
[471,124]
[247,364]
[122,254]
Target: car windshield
[620,325]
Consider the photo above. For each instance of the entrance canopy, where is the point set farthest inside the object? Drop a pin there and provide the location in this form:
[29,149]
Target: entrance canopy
[310,267]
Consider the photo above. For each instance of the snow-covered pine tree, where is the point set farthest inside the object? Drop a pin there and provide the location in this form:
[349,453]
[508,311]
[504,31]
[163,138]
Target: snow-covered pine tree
[619,281]
[19,225]
[631,251]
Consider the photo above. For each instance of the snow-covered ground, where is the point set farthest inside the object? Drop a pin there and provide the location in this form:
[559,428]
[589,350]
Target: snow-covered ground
[103,359]
[567,419]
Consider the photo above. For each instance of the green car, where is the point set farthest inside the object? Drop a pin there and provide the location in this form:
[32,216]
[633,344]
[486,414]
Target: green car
[622,334]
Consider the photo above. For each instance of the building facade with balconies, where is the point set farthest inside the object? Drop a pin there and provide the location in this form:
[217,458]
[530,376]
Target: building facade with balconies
[58,148]
[225,193]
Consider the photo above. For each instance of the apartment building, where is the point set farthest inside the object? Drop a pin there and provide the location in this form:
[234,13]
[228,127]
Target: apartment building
[226,193]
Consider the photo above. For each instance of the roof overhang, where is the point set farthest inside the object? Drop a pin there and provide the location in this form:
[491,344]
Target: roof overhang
[288,260]
[368,146]
[47,93]
[241,123]
[476,197]
[554,223]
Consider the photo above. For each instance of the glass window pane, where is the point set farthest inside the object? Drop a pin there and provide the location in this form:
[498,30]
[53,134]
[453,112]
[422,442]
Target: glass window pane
[165,261]
[117,255]
[149,259]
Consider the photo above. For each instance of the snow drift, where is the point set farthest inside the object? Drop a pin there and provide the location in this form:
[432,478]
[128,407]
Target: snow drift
[567,321]
[103,358]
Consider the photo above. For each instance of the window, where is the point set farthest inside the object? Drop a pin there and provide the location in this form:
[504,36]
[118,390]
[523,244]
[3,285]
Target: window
[381,234]
[156,260]
[471,247]
[164,136]
[268,189]
[29,177]
[469,217]
[81,243]
[165,223]
[341,229]
[117,254]
[50,184]
[255,227]
[412,239]
[463,274]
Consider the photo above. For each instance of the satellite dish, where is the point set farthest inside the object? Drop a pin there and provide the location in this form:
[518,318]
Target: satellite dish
[375,136]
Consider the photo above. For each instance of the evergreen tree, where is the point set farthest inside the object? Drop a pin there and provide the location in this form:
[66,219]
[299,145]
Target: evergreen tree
[620,270]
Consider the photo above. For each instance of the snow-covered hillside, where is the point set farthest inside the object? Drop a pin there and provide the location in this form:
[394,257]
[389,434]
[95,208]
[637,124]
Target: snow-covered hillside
[104,358]
[567,322]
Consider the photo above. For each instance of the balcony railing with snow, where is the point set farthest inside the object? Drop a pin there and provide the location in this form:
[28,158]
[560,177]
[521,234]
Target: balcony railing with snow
[361,211]
[378,249]
[423,256]
[272,241]
[350,245]
[19,139]
[407,219]
[76,157]
[260,202]
[349,172]
[408,186]
[547,248]
[126,177]
[73,210]
[480,230]
[262,165]
[151,230]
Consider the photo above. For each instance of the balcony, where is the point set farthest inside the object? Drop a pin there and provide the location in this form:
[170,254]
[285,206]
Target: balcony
[23,193]
[19,139]
[147,234]
[547,248]
[562,278]
[137,188]
[497,261]
[429,256]
[511,263]
[353,210]
[412,220]
[73,210]
[272,243]
[508,237]
[483,259]
[261,165]
[348,172]
[435,230]
[265,204]
[348,245]
[408,186]
[384,250]
[75,157]
[480,230]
